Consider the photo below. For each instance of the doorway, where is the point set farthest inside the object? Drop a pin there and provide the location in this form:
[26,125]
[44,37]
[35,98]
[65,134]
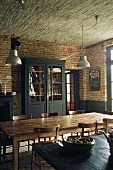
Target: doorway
[72,90]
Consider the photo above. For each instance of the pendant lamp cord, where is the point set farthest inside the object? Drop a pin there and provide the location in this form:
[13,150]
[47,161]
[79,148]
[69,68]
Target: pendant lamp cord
[97,19]
[82,37]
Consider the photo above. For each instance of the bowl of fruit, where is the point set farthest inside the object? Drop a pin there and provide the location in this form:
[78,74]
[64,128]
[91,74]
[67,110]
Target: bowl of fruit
[78,143]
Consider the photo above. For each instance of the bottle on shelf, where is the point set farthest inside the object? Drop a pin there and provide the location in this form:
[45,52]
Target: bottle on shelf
[0,87]
[4,92]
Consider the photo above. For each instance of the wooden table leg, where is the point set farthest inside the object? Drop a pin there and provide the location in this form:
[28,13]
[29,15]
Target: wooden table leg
[16,154]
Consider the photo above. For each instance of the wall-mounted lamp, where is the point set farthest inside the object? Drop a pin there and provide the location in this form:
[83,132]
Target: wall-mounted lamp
[13,58]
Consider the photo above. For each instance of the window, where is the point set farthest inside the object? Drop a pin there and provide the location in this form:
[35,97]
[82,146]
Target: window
[110,77]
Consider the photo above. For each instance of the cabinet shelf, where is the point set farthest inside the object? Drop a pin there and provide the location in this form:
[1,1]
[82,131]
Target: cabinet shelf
[36,95]
[36,71]
[56,83]
[36,83]
[54,72]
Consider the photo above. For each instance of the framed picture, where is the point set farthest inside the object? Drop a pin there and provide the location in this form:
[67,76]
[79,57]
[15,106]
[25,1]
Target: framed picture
[94,79]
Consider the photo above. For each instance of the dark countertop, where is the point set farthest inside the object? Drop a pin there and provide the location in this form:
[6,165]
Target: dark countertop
[98,158]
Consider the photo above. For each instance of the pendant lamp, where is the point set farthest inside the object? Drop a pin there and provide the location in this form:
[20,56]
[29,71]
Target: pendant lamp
[13,58]
[83,63]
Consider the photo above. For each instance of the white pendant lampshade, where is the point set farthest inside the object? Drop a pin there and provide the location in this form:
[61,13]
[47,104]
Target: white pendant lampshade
[83,63]
[13,59]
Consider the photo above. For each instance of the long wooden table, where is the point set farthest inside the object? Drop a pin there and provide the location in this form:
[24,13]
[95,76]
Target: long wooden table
[23,129]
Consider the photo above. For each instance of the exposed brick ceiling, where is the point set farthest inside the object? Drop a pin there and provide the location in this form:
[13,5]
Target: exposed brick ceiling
[58,21]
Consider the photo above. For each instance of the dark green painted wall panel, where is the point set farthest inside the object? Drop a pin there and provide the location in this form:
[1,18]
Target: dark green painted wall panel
[93,106]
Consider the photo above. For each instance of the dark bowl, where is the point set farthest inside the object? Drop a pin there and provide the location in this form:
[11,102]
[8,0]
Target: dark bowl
[78,143]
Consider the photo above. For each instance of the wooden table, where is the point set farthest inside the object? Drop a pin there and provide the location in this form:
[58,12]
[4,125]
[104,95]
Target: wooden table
[98,158]
[23,129]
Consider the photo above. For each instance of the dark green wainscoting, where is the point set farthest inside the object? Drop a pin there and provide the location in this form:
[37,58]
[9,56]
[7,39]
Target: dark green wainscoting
[93,106]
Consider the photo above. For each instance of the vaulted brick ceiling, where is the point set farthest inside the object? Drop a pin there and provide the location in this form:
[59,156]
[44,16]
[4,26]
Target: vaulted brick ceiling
[58,21]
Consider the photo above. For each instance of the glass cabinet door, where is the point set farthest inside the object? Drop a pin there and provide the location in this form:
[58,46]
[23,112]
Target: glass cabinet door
[36,83]
[54,83]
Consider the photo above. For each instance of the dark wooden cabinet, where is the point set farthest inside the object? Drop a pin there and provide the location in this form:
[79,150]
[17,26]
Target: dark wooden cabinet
[43,86]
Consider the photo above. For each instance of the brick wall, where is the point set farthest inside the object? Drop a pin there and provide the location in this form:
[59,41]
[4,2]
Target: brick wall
[96,55]
[5,71]
[97,58]
[34,49]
